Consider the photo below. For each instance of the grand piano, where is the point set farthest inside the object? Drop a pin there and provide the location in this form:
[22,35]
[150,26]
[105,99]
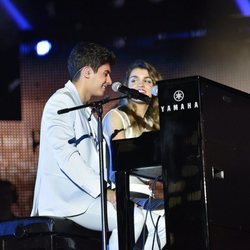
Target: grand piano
[202,155]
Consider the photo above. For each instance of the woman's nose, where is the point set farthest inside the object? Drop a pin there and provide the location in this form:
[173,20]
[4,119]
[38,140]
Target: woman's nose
[141,82]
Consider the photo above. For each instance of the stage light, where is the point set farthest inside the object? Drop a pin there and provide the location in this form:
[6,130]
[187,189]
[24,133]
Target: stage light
[16,15]
[43,47]
[244,6]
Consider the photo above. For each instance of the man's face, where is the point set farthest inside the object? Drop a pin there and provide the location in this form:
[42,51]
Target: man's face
[100,80]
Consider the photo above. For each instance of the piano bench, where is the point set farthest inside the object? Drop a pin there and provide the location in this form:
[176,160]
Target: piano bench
[47,233]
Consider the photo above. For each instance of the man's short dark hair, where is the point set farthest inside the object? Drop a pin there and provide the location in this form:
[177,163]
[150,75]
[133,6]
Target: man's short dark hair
[88,54]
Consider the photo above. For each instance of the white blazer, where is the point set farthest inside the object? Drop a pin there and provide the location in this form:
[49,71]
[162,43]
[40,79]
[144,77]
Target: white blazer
[68,178]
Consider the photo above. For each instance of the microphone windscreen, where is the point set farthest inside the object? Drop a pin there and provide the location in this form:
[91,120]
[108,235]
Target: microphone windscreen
[115,86]
[154,90]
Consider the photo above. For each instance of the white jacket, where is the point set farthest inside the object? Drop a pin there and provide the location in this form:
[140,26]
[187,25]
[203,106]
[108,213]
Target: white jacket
[68,177]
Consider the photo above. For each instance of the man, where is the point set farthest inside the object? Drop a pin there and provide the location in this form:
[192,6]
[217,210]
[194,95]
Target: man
[68,177]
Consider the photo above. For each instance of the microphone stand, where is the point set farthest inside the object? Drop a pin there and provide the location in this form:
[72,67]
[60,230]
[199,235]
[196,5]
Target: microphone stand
[98,108]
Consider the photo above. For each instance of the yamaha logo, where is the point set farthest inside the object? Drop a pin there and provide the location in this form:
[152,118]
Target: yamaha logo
[180,106]
[178,95]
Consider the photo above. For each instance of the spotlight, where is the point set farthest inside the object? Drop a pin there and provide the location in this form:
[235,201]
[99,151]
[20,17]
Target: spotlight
[244,7]
[43,47]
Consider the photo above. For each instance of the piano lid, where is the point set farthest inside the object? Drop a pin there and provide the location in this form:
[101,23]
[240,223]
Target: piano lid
[140,155]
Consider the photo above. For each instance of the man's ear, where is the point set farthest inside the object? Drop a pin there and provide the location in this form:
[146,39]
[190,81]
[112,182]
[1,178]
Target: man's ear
[87,71]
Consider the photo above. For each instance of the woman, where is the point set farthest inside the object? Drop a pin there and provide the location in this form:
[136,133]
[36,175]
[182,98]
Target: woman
[130,119]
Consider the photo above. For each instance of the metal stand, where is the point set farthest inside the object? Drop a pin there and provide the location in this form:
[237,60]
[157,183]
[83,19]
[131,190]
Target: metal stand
[99,111]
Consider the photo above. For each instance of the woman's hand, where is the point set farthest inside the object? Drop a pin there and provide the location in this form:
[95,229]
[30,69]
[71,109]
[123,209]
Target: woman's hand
[111,197]
[157,189]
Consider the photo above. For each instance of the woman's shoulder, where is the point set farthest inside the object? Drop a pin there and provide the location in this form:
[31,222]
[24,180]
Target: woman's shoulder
[116,117]
[114,112]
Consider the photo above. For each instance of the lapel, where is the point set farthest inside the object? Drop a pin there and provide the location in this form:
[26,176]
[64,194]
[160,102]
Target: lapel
[91,125]
[84,113]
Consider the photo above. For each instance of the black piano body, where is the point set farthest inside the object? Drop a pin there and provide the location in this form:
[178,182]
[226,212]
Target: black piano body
[140,156]
[203,154]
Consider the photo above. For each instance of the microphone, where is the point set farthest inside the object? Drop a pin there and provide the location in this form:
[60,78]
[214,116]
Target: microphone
[132,93]
[154,90]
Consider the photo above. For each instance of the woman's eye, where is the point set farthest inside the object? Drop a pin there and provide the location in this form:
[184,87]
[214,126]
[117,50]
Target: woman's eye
[148,82]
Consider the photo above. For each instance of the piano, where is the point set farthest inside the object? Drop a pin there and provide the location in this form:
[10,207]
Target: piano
[141,157]
[132,155]
[202,155]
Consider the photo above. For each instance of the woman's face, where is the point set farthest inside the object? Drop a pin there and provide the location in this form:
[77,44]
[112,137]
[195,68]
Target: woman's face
[140,80]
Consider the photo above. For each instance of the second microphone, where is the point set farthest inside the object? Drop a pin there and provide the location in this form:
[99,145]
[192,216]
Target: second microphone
[132,93]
